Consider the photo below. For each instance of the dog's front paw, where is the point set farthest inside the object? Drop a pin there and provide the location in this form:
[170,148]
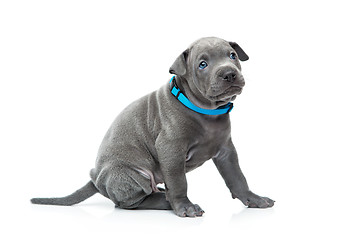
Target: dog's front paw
[185,208]
[252,200]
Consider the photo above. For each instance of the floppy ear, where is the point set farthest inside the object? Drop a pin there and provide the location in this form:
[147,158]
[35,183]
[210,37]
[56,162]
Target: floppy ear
[179,66]
[241,54]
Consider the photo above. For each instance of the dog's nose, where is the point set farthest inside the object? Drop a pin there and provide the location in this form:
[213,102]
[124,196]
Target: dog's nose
[229,76]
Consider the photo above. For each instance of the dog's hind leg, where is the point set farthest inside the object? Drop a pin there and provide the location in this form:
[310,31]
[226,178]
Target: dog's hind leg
[156,200]
[130,189]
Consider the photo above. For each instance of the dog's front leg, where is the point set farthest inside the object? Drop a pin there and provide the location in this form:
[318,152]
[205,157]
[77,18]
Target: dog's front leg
[172,165]
[227,163]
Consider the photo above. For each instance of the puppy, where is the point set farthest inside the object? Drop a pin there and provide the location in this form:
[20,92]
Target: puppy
[164,135]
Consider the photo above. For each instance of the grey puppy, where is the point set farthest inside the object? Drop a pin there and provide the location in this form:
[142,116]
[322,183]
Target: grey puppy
[164,135]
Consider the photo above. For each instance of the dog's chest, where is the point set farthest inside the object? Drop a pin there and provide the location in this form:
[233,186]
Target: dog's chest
[206,143]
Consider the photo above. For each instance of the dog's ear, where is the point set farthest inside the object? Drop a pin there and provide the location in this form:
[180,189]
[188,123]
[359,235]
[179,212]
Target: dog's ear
[179,66]
[241,54]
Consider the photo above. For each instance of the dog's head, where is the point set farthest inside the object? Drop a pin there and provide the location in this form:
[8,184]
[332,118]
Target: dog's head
[211,67]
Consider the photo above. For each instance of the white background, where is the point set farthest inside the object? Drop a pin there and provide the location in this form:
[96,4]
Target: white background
[67,68]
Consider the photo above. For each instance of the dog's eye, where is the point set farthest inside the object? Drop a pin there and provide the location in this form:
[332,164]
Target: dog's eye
[203,65]
[232,55]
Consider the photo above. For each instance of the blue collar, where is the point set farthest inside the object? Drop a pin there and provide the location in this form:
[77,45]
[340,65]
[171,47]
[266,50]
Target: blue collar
[175,90]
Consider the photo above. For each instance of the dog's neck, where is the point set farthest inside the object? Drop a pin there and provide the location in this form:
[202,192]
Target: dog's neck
[184,93]
[194,95]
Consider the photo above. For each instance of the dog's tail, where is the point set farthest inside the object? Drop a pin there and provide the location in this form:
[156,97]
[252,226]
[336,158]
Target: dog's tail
[80,195]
